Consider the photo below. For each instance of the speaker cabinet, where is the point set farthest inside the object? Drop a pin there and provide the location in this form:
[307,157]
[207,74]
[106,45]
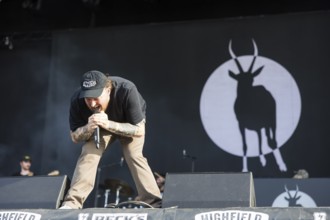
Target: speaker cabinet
[33,192]
[209,190]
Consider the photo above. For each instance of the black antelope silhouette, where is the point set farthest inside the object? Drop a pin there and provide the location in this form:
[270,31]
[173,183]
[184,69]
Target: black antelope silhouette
[293,199]
[255,109]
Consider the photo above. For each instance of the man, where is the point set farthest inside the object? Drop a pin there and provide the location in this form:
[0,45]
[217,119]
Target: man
[114,107]
[160,180]
[25,164]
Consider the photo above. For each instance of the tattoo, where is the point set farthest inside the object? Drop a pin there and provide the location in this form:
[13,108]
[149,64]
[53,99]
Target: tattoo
[81,134]
[127,129]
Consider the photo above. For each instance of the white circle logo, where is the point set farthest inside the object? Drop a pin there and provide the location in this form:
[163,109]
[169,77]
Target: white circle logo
[294,198]
[250,106]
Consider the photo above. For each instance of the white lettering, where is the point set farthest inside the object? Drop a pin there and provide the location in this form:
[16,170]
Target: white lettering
[88,84]
[225,216]
[320,215]
[119,216]
[19,216]
[232,215]
[83,216]
[217,216]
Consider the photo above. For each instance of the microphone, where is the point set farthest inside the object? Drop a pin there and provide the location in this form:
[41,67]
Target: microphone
[97,137]
[97,133]
[192,158]
[184,153]
[121,161]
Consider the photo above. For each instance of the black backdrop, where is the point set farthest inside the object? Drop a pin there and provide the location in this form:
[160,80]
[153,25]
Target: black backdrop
[170,64]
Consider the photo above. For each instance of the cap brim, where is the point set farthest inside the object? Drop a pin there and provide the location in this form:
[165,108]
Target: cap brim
[92,93]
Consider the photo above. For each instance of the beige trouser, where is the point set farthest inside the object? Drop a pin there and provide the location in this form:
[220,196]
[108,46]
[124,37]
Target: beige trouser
[83,179]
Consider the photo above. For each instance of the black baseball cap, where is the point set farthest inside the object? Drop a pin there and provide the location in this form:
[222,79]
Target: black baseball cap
[92,84]
[26,158]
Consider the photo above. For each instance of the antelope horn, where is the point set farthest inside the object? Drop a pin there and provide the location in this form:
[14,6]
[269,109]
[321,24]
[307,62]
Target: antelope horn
[234,57]
[287,191]
[231,51]
[255,48]
[255,54]
[297,190]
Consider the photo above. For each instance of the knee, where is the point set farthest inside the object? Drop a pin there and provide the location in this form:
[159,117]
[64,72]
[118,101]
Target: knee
[134,156]
[90,148]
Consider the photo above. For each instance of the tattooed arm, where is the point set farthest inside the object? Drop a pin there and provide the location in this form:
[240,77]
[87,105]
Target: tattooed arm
[84,133]
[122,129]
[81,134]
[101,119]
[127,129]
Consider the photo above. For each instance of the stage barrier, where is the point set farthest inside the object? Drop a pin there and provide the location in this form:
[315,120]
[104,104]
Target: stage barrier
[292,213]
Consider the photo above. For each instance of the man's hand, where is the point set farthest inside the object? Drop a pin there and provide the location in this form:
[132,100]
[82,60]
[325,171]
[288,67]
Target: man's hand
[85,132]
[99,119]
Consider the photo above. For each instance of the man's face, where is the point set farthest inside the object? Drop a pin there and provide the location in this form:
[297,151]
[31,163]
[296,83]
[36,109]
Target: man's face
[100,103]
[25,164]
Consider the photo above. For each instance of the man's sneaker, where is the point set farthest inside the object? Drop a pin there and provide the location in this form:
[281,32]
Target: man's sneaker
[65,207]
[157,203]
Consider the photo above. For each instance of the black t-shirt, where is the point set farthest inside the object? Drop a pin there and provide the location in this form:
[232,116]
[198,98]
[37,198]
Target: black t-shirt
[18,173]
[126,105]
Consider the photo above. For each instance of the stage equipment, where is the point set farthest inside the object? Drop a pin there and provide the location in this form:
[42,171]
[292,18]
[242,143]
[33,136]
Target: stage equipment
[209,190]
[35,192]
[130,205]
[118,186]
[192,158]
[98,176]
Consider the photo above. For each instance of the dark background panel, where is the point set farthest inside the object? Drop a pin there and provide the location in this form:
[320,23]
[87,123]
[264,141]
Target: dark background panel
[36,15]
[171,74]
[24,73]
